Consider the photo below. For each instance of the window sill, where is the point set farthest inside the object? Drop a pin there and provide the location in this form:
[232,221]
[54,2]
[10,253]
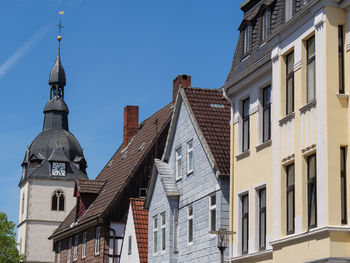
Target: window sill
[189,173]
[243,155]
[256,255]
[190,243]
[178,179]
[343,96]
[245,57]
[263,145]
[287,118]
[310,105]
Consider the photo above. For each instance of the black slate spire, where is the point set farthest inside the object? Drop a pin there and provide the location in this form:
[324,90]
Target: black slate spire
[57,79]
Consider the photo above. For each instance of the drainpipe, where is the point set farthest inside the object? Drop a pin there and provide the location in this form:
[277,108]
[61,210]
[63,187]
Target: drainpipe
[111,229]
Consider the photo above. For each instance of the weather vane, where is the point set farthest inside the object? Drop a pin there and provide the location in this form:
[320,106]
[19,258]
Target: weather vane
[60,25]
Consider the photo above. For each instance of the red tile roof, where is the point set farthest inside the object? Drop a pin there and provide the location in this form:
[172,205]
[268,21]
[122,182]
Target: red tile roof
[121,167]
[140,216]
[213,112]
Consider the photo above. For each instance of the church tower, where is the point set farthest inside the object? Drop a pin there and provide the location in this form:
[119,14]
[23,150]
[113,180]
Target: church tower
[50,166]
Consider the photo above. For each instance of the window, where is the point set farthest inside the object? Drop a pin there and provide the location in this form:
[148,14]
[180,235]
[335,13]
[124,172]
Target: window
[129,245]
[75,250]
[69,250]
[341,58]
[245,222]
[262,219]
[290,83]
[311,75]
[246,39]
[57,201]
[190,156]
[59,245]
[155,234]
[288,9]
[178,167]
[245,126]
[312,202]
[265,24]
[212,212]
[162,220]
[83,249]
[97,240]
[23,198]
[266,114]
[290,198]
[176,225]
[190,225]
[343,184]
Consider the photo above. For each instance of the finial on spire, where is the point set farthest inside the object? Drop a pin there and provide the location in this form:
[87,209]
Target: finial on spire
[59,37]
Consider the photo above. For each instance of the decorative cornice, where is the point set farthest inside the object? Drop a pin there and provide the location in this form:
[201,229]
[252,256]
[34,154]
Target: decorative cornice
[319,19]
[289,159]
[311,104]
[256,255]
[253,109]
[287,118]
[275,54]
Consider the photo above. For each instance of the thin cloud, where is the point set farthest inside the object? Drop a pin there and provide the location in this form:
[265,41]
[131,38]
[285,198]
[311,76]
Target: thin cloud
[21,51]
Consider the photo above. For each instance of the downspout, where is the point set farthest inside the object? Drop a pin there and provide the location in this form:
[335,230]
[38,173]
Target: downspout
[114,233]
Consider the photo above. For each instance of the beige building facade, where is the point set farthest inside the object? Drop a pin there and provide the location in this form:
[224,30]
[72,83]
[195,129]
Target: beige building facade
[289,89]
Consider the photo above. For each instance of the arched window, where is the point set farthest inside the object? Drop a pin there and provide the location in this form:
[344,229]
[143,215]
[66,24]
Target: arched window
[57,201]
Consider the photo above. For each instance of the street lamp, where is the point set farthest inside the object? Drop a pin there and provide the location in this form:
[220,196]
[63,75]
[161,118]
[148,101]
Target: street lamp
[222,240]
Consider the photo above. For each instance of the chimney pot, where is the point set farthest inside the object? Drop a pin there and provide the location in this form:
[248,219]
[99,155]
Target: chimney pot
[181,81]
[131,122]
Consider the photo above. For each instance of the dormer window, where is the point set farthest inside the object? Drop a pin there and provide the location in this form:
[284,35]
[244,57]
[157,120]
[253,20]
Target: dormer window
[265,24]
[246,39]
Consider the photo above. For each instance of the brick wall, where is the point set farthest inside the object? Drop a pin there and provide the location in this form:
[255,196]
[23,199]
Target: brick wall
[90,247]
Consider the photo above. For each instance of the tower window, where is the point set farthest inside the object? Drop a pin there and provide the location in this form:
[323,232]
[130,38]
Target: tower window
[57,201]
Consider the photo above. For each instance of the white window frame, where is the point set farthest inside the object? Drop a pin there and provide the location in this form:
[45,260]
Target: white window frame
[75,248]
[59,247]
[97,240]
[69,250]
[176,227]
[189,222]
[163,231]
[155,234]
[178,163]
[83,249]
[129,245]
[246,39]
[211,209]
[189,152]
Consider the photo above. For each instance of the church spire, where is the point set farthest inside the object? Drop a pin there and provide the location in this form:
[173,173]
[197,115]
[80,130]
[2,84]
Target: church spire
[57,79]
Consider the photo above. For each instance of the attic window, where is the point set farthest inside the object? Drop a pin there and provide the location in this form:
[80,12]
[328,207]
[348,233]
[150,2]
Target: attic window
[220,106]
[246,39]
[35,163]
[142,192]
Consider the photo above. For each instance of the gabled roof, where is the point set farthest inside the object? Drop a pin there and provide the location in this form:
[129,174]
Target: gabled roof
[210,114]
[140,216]
[88,186]
[121,168]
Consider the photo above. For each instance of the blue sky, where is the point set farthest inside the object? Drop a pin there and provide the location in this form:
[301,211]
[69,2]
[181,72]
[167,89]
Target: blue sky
[115,53]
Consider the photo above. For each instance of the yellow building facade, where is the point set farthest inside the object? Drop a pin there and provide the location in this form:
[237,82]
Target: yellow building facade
[289,89]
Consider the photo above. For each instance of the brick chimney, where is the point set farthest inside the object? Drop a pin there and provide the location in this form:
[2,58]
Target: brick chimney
[180,81]
[131,122]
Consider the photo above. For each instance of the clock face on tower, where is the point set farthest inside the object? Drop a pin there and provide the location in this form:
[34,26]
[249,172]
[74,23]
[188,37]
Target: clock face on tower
[58,168]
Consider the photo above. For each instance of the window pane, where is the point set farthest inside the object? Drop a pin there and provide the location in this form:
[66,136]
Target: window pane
[61,205]
[312,219]
[213,220]
[290,62]
[290,175]
[262,193]
[290,211]
[311,48]
[245,235]
[311,81]
[290,95]
[266,124]
[312,166]
[245,135]
[246,108]
[163,238]
[190,164]
[213,200]
[190,210]
[190,230]
[262,234]
[245,204]
[54,202]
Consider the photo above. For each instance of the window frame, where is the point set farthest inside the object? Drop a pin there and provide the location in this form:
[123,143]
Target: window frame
[190,153]
[290,188]
[265,24]
[60,200]
[97,240]
[289,76]
[178,163]
[245,118]
[190,225]
[343,184]
[212,209]
[247,39]
[244,215]
[266,105]
[75,248]
[69,250]
[309,61]
[83,248]
[176,227]
[312,191]
[163,231]
[155,234]
[341,59]
[262,212]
